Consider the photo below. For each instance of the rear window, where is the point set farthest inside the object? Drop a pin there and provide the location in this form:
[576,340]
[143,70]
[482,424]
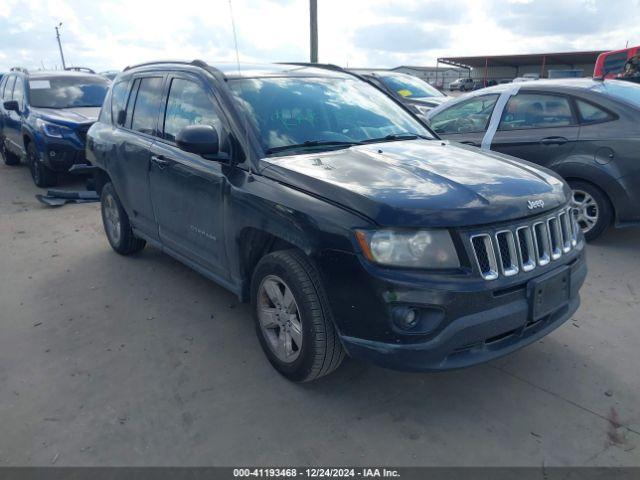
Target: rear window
[590,113]
[627,92]
[67,92]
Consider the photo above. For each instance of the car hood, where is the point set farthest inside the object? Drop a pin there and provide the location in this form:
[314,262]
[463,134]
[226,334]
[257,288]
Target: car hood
[69,115]
[422,183]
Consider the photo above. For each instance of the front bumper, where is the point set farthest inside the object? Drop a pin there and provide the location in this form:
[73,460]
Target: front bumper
[479,324]
[60,156]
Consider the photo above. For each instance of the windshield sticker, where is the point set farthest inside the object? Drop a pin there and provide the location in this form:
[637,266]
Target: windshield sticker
[39,84]
[405,92]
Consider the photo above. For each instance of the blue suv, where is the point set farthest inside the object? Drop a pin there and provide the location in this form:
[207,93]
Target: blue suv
[44,119]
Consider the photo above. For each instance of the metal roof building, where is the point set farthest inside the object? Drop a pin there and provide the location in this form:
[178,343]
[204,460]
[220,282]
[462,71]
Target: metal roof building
[498,67]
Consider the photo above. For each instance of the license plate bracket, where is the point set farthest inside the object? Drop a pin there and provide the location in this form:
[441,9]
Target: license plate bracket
[549,292]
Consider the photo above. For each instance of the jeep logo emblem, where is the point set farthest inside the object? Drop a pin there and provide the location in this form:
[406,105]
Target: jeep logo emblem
[533,204]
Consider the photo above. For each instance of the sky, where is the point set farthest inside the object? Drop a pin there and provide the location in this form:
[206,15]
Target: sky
[111,34]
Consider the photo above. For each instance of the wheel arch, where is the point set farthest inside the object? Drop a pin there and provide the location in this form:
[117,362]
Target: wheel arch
[595,176]
[101,178]
[253,243]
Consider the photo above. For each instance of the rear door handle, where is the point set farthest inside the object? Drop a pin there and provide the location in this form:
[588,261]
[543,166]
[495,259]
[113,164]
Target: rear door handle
[160,161]
[554,141]
[469,142]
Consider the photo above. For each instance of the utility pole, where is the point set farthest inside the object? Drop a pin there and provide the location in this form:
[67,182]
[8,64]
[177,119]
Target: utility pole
[64,67]
[313,14]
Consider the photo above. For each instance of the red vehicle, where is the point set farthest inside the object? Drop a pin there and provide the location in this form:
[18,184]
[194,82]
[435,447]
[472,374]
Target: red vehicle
[612,64]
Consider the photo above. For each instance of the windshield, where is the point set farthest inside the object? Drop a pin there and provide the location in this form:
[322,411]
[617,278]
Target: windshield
[67,92]
[626,91]
[291,111]
[409,86]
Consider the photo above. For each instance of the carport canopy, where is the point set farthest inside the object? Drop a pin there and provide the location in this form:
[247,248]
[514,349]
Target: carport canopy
[570,59]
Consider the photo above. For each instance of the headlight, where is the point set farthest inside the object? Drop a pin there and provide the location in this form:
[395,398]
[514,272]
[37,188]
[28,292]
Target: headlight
[51,129]
[431,249]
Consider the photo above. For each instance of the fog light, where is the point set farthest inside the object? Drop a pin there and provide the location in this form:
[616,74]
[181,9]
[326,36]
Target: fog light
[405,318]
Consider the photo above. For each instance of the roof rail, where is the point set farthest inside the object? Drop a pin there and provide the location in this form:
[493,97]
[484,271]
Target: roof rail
[326,66]
[196,63]
[19,69]
[80,69]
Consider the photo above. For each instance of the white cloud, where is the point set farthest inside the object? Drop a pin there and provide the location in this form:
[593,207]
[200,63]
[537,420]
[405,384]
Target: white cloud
[106,34]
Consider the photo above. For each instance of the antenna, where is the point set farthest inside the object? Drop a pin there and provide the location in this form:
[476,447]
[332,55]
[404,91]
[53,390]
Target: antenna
[64,67]
[235,37]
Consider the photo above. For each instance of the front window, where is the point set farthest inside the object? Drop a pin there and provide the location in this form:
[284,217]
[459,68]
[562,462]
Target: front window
[292,111]
[409,86]
[67,92]
[469,116]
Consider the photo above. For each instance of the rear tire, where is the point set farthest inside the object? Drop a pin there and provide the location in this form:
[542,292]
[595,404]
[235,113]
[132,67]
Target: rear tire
[592,208]
[116,223]
[288,301]
[8,158]
[42,175]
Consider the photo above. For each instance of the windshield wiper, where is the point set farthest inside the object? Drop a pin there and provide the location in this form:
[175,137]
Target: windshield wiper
[394,137]
[312,144]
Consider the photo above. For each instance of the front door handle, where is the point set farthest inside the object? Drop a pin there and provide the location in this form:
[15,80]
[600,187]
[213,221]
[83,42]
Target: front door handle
[469,142]
[554,141]
[160,161]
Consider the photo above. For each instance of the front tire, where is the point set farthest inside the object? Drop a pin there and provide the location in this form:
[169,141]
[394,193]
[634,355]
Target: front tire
[116,223]
[592,208]
[7,157]
[42,175]
[292,317]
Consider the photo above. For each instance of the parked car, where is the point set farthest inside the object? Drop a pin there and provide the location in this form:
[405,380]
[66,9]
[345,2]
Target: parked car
[412,91]
[586,130]
[346,222]
[44,118]
[613,64]
[462,84]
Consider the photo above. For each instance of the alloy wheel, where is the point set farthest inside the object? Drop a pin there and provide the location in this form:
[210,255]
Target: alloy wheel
[112,219]
[279,319]
[585,210]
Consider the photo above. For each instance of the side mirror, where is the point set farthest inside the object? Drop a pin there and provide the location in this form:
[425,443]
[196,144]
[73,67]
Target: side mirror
[200,139]
[12,105]
[122,117]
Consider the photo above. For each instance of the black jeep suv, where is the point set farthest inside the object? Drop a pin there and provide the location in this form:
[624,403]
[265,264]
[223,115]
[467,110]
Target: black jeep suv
[348,224]
[44,118]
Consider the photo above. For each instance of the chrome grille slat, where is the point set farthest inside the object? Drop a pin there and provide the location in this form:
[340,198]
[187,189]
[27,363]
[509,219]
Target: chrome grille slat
[541,241]
[525,246]
[565,228]
[526,249]
[554,238]
[485,256]
[507,253]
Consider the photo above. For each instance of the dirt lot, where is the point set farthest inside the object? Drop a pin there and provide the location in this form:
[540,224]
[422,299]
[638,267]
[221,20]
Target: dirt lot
[106,360]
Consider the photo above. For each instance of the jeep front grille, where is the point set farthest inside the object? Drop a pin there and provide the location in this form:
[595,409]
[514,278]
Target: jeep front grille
[524,246]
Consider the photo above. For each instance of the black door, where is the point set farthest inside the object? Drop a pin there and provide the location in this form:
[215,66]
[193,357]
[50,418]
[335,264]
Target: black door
[187,190]
[538,127]
[139,127]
